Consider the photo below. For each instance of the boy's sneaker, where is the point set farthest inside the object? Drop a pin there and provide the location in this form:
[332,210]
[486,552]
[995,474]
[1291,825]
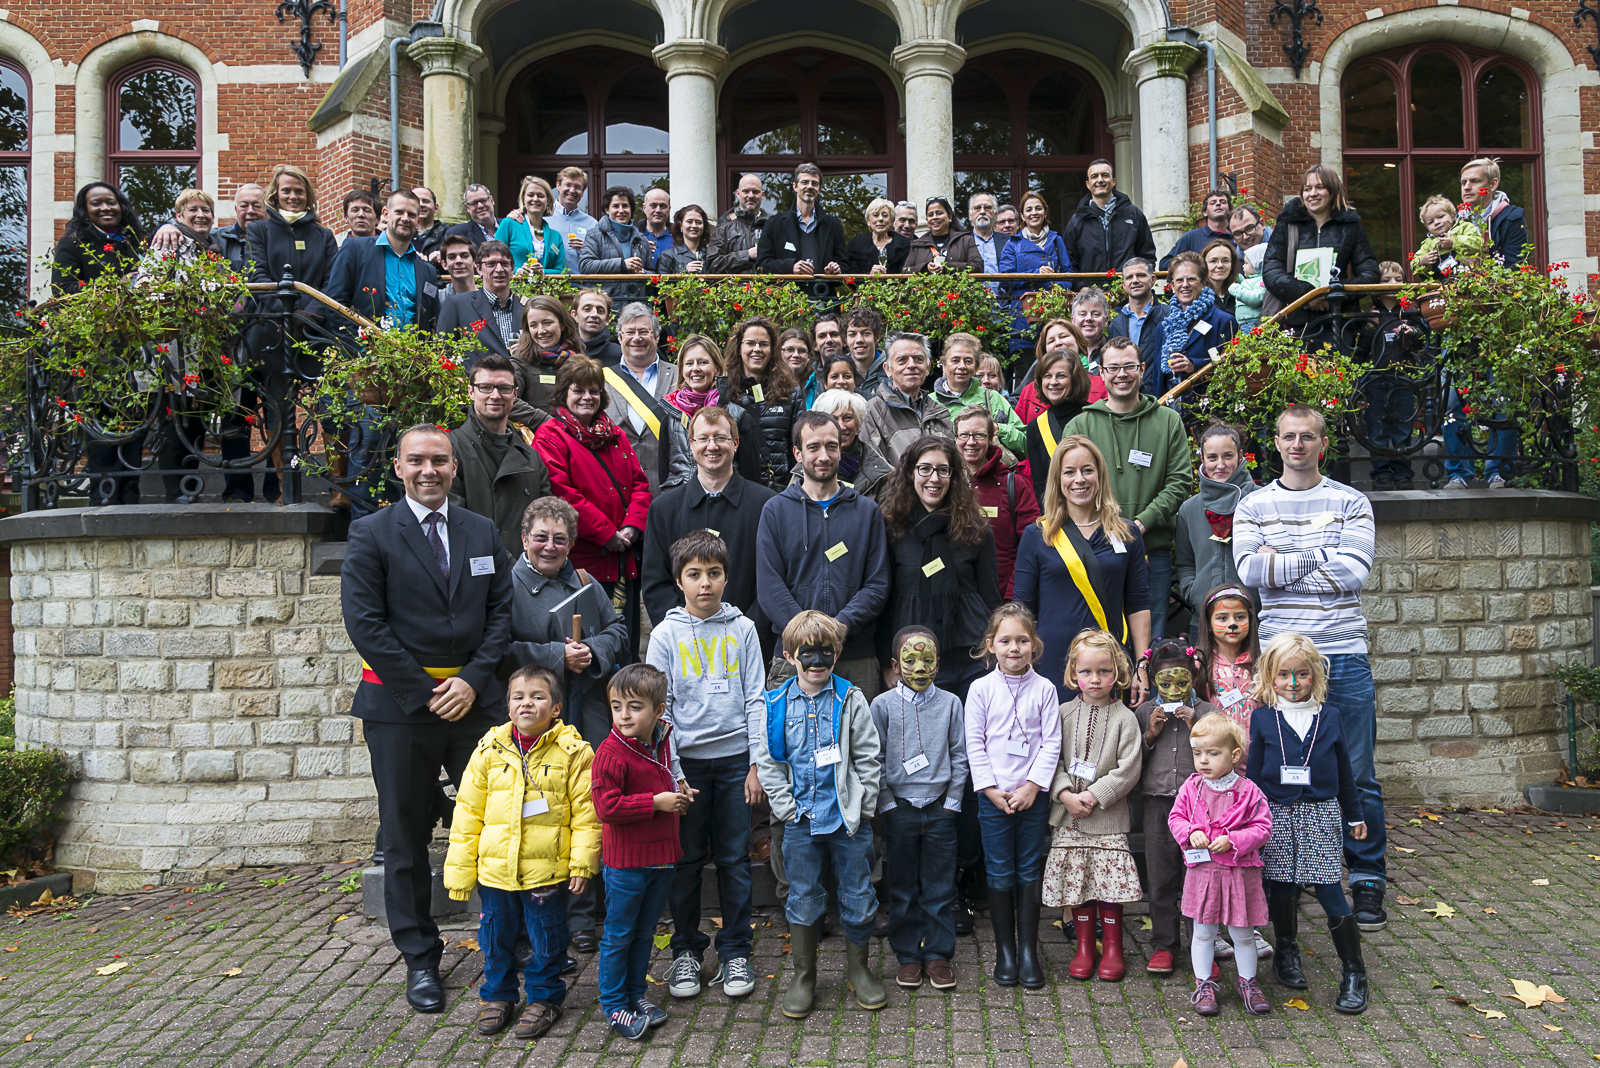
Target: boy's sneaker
[1456,483]
[684,979]
[630,1025]
[1368,905]
[1264,948]
[1499,483]
[654,1014]
[1222,949]
[736,977]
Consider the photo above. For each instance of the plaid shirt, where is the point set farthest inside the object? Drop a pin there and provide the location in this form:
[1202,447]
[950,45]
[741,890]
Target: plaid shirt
[504,321]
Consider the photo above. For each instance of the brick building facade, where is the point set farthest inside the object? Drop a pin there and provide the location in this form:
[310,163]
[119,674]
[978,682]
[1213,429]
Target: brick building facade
[906,97]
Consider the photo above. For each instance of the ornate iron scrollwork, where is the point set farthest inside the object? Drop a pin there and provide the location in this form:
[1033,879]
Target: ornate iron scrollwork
[1586,9]
[1298,11]
[303,49]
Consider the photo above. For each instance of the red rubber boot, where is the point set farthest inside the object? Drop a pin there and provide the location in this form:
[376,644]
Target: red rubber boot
[1082,966]
[1111,968]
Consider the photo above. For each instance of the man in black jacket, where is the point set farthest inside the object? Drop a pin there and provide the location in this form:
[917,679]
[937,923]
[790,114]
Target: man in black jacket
[387,275]
[592,309]
[426,595]
[735,245]
[1508,229]
[481,223]
[1108,229]
[806,240]
[498,473]
[430,231]
[493,304]
[1215,212]
[717,499]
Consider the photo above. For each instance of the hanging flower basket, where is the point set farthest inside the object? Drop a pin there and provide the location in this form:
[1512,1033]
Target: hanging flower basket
[1433,307]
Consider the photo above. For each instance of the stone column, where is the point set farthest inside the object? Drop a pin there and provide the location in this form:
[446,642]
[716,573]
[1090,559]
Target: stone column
[1121,129]
[691,66]
[490,129]
[928,67]
[447,140]
[1160,70]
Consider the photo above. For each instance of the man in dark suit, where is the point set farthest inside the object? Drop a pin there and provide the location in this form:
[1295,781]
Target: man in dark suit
[493,304]
[1141,317]
[426,594]
[386,275]
[806,240]
[481,221]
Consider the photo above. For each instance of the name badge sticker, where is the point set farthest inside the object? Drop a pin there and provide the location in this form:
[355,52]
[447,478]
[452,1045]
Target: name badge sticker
[836,552]
[430,289]
[1196,856]
[482,565]
[714,533]
[1202,327]
[915,764]
[1231,697]
[547,380]
[933,567]
[991,511]
[1140,458]
[1323,519]
[788,246]
[1083,770]
[537,807]
[716,686]
[1017,746]
[1116,544]
[758,393]
[827,756]
[1296,776]
[299,246]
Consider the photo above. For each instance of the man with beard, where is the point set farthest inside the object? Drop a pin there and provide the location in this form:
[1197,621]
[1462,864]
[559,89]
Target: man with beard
[806,240]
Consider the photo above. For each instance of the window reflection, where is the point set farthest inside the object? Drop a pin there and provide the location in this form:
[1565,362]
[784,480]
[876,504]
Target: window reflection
[982,115]
[636,115]
[766,118]
[154,188]
[14,185]
[554,116]
[850,115]
[13,111]
[157,112]
[1374,188]
[1503,120]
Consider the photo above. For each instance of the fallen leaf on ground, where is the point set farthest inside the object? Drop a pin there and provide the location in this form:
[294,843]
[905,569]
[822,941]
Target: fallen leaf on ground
[12,949]
[1408,900]
[1180,1063]
[1428,815]
[662,940]
[469,944]
[1440,911]
[1471,1035]
[1488,1014]
[1438,986]
[45,899]
[1403,849]
[1490,912]
[29,1038]
[787,948]
[1144,923]
[232,972]
[92,930]
[716,922]
[652,979]
[124,908]
[1552,1027]
[1458,1001]
[336,919]
[1532,996]
[1297,1003]
[1057,924]
[111,969]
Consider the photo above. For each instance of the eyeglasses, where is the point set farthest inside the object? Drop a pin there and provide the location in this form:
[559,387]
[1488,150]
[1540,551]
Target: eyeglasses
[558,540]
[586,391]
[972,435]
[638,333]
[497,391]
[941,472]
[1121,369]
[719,440]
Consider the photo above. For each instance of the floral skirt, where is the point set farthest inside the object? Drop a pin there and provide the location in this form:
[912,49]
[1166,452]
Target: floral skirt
[1089,867]
[1307,843]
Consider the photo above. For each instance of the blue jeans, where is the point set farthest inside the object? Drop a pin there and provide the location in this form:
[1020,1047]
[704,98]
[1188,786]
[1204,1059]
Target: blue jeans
[1160,563]
[508,913]
[1457,434]
[634,900]
[852,866]
[921,875]
[718,819]
[1391,412]
[1350,691]
[366,470]
[1014,847]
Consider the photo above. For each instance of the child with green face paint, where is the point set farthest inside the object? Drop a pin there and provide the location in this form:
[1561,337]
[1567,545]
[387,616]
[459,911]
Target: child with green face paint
[922,731]
[1164,723]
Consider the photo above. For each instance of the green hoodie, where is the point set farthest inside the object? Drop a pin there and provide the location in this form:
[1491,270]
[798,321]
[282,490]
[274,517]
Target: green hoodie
[1013,433]
[1149,493]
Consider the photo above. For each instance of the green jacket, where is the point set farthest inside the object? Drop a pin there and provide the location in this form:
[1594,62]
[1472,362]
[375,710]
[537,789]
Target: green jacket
[1151,494]
[1013,432]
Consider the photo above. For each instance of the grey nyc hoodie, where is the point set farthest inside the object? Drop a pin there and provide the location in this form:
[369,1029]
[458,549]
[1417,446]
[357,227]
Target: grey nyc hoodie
[715,682]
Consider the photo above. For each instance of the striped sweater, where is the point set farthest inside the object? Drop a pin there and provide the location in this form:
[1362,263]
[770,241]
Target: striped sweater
[1311,585]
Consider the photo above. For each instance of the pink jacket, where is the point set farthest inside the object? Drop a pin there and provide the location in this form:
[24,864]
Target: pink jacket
[1247,822]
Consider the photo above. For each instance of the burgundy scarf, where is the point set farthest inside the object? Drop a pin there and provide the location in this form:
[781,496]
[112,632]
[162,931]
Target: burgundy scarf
[595,437]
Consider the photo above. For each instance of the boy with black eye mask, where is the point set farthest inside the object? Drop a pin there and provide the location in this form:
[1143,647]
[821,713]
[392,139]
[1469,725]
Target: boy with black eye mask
[819,763]
[923,733]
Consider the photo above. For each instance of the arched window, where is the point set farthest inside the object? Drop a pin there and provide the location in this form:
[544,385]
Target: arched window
[595,108]
[1026,121]
[154,136]
[1412,118]
[16,113]
[835,111]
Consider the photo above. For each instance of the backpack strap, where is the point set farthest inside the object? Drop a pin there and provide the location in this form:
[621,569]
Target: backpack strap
[1011,492]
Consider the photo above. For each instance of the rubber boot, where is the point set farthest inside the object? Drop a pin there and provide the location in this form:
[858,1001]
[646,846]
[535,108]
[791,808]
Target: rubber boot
[802,992]
[859,974]
[1352,999]
[1083,917]
[1003,917]
[1286,934]
[1029,897]
[1111,966]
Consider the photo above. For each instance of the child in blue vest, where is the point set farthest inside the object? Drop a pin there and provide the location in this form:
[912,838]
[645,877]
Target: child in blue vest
[820,765]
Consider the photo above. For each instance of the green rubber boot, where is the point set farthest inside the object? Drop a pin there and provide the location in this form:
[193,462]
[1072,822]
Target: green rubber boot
[858,972]
[802,992]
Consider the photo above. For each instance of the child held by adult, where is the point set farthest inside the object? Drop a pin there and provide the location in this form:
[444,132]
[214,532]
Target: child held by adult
[1013,746]
[1297,757]
[1090,869]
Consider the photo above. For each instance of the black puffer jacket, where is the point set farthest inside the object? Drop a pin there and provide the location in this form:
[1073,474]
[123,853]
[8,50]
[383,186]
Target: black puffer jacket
[774,419]
[1353,255]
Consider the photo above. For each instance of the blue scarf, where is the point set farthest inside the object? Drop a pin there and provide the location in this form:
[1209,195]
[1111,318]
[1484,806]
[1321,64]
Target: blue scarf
[1175,327]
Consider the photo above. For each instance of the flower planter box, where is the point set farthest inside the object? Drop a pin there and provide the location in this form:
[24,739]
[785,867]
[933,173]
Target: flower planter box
[26,893]
[1573,800]
[1432,307]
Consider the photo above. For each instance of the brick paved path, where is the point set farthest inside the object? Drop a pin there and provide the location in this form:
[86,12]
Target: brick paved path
[315,987]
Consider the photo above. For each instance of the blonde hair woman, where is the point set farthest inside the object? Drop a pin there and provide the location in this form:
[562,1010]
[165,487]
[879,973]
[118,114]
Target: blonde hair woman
[535,244]
[878,250]
[1082,565]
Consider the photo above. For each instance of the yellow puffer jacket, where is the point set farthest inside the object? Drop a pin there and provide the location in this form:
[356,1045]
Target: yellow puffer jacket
[490,841]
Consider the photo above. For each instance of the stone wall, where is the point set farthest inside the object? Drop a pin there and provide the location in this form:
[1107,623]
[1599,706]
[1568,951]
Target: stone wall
[1474,597]
[196,670]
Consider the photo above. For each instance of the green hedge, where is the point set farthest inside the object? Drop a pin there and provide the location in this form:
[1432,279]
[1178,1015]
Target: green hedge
[32,784]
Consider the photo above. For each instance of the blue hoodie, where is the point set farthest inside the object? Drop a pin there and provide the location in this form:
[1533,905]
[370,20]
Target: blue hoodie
[794,572]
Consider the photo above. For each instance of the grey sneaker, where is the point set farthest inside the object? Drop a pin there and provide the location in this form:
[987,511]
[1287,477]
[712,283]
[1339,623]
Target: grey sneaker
[630,1025]
[1499,483]
[736,977]
[1263,948]
[684,979]
[654,1014]
[1456,483]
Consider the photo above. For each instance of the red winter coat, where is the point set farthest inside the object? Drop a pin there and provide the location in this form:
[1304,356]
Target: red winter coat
[590,481]
[1007,523]
[1030,404]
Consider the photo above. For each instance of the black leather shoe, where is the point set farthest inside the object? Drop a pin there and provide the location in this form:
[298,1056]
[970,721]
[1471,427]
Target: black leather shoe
[880,927]
[964,918]
[585,941]
[424,990]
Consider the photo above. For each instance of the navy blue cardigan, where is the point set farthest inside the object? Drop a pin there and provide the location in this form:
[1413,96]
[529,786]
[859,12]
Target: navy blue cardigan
[1330,764]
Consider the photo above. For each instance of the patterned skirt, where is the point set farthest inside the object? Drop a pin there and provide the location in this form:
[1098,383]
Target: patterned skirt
[1307,843]
[1218,893]
[1089,867]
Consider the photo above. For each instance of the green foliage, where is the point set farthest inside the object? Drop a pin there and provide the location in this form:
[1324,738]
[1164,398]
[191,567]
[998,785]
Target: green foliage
[1055,302]
[1268,212]
[542,285]
[939,305]
[1263,371]
[8,723]
[32,784]
[1581,681]
[695,306]
[406,375]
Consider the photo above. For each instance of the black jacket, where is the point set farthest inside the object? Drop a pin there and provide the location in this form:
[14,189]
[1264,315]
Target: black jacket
[403,615]
[1508,233]
[307,248]
[780,243]
[1038,455]
[728,251]
[502,491]
[1097,248]
[1353,255]
[863,254]
[428,241]
[460,310]
[603,347]
[233,241]
[954,602]
[472,231]
[735,516]
[357,281]
[774,420]
[83,259]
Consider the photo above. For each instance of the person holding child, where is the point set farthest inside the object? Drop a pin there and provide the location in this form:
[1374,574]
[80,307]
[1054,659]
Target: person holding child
[524,831]
[819,764]
[1090,868]
[922,733]
[1297,757]
[1165,721]
[1220,820]
[711,655]
[1454,241]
